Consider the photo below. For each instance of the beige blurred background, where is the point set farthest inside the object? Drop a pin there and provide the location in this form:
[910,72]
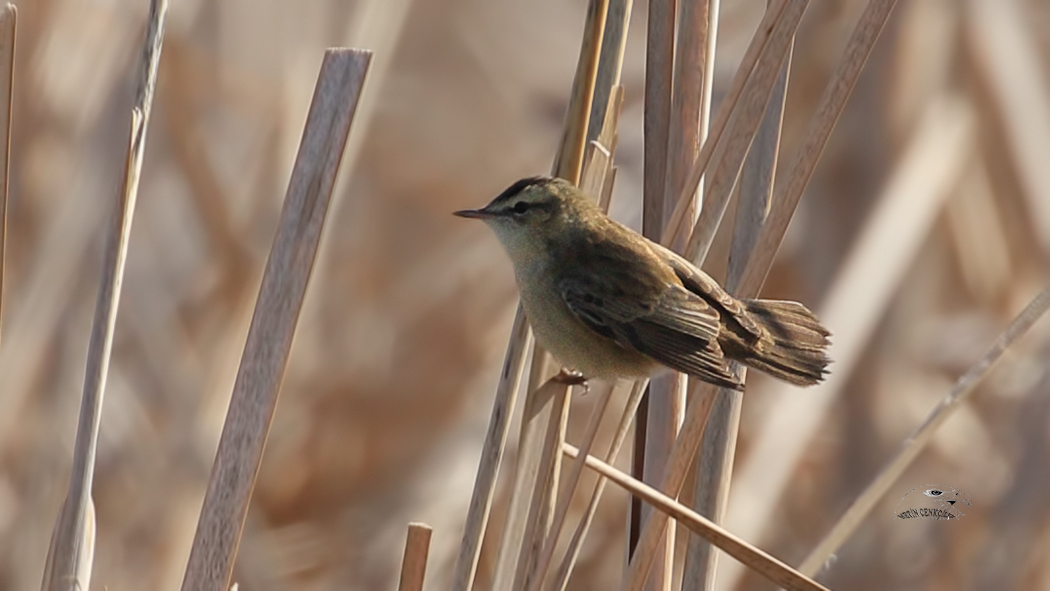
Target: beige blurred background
[939,169]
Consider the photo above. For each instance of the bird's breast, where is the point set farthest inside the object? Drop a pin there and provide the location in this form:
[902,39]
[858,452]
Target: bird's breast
[571,341]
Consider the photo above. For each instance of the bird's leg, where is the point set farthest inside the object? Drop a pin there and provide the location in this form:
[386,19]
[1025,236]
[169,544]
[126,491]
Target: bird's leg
[572,378]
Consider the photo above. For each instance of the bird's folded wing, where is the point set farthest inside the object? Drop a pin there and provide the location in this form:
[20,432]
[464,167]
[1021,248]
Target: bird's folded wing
[704,286]
[678,329]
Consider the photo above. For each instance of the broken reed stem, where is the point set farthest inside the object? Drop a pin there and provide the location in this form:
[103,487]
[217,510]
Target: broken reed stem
[610,64]
[569,162]
[717,451]
[414,564]
[783,207]
[759,561]
[273,323]
[923,434]
[72,544]
[561,580]
[8,27]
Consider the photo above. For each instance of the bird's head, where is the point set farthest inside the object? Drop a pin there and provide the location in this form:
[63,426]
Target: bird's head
[534,212]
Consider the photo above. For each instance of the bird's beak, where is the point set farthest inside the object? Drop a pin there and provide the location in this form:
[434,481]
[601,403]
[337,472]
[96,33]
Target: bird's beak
[479,214]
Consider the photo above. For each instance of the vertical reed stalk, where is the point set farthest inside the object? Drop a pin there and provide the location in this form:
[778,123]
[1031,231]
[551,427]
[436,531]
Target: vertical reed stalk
[72,549]
[269,341]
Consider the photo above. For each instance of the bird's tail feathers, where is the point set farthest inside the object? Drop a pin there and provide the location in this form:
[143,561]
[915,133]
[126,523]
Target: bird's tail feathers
[797,352]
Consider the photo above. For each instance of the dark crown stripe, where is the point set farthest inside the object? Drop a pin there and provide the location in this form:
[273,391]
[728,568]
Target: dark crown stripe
[513,190]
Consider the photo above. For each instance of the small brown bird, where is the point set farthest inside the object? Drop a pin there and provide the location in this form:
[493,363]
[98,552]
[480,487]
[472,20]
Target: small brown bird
[610,303]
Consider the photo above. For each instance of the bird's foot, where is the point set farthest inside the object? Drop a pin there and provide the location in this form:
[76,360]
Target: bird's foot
[572,378]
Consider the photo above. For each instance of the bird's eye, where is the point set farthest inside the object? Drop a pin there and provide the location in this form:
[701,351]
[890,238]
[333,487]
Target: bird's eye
[521,207]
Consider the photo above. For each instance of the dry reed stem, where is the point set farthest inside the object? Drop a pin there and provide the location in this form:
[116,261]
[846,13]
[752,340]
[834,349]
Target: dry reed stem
[747,116]
[922,435]
[561,510]
[691,99]
[546,418]
[492,454]
[535,561]
[569,162]
[273,323]
[759,561]
[414,564]
[554,396]
[788,194]
[711,42]
[697,25]
[610,65]
[599,163]
[608,139]
[857,50]
[8,27]
[609,136]
[72,545]
[755,49]
[869,276]
[572,553]
[661,409]
[698,407]
[529,476]
[756,182]
[510,379]
[659,75]
[718,448]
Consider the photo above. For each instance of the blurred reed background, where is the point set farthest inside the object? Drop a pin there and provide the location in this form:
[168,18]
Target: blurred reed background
[938,167]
